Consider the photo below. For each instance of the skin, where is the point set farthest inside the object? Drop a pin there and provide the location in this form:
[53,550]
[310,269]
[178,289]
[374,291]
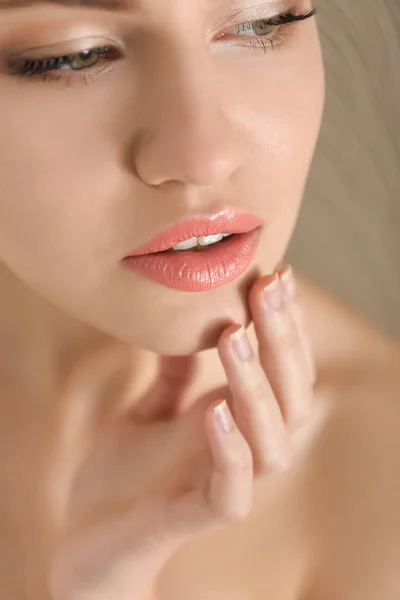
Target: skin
[101,368]
[231,145]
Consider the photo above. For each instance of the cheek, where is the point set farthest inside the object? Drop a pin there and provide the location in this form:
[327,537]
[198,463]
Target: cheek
[56,189]
[63,185]
[280,112]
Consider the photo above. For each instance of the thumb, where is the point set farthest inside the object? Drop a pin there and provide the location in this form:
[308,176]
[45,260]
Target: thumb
[118,558]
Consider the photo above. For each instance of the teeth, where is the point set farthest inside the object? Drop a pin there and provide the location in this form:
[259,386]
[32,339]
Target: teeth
[186,245]
[201,241]
[210,239]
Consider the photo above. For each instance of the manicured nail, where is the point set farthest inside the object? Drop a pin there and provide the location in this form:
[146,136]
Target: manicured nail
[273,293]
[241,345]
[289,283]
[223,417]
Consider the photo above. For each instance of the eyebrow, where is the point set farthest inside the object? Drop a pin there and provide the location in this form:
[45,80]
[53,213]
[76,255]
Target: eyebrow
[114,5]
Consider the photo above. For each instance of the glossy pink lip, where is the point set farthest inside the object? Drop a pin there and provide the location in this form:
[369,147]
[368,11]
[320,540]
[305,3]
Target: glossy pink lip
[222,222]
[197,271]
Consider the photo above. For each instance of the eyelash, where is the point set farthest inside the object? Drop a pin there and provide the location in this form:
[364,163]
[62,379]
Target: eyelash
[48,69]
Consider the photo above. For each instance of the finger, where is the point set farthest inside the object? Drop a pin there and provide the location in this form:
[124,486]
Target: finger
[296,308]
[281,351]
[228,494]
[231,490]
[255,407]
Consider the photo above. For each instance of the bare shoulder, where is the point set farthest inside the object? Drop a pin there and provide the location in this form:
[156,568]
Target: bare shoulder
[354,471]
[342,338]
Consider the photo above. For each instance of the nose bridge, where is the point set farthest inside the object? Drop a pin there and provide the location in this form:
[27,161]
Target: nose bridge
[188,135]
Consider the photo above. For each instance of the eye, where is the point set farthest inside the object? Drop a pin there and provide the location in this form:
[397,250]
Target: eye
[267,33]
[89,61]
[262,27]
[84,60]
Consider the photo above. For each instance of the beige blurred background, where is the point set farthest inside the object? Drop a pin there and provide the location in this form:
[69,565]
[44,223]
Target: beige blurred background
[348,235]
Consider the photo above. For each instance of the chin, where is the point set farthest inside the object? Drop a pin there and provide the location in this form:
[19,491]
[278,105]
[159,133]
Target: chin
[191,337]
[199,336]
[181,325]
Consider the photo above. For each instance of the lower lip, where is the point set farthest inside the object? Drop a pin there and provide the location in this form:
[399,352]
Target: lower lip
[198,271]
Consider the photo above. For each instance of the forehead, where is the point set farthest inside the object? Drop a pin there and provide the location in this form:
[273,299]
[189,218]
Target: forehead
[121,5]
[105,4]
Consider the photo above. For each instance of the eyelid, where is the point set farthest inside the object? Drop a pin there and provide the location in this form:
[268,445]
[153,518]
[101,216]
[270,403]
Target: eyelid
[253,13]
[65,48]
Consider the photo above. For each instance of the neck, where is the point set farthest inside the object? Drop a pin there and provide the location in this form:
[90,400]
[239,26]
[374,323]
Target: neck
[45,353]
[43,350]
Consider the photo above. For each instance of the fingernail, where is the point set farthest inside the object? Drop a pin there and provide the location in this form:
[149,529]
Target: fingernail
[223,417]
[273,293]
[289,283]
[241,345]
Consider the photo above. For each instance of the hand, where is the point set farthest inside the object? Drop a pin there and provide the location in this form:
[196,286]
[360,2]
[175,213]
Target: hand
[129,514]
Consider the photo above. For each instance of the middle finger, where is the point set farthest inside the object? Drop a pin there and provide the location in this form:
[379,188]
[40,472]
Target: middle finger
[255,408]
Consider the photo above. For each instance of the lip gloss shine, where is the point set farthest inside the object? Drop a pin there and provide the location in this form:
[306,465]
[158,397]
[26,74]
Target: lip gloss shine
[200,270]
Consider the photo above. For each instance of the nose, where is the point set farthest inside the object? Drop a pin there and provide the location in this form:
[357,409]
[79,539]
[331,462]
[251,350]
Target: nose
[188,138]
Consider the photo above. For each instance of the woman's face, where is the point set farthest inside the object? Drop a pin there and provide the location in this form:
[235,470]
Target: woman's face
[194,106]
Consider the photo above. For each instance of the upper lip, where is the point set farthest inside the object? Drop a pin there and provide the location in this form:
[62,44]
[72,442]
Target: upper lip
[227,221]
